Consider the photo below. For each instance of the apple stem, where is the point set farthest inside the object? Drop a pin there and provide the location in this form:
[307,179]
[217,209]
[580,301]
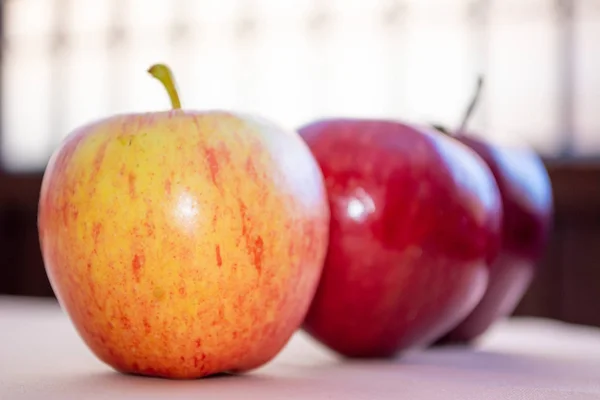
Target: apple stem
[442,129]
[165,76]
[472,104]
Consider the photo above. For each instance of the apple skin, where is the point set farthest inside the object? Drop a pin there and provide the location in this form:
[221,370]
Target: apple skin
[527,201]
[183,244]
[415,221]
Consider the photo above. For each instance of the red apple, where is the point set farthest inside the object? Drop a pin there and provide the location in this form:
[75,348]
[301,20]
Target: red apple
[415,221]
[527,208]
[527,215]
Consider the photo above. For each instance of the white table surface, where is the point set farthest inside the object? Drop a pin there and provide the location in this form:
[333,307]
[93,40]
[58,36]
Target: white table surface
[42,357]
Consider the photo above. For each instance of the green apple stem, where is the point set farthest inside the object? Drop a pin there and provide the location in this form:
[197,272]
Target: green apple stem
[165,76]
[472,104]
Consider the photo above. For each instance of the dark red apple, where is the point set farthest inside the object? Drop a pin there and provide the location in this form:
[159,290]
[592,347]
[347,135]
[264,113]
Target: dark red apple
[415,221]
[527,215]
[527,207]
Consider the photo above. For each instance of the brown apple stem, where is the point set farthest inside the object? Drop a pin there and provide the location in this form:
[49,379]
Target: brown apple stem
[165,76]
[472,104]
[442,129]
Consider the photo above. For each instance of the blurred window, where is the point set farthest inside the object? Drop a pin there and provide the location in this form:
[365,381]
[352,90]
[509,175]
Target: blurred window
[66,63]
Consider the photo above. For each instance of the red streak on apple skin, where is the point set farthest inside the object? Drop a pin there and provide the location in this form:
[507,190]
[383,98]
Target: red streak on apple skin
[254,245]
[218,253]
[257,251]
[64,210]
[250,169]
[126,322]
[96,228]
[137,263]
[224,154]
[198,360]
[69,212]
[168,186]
[97,160]
[213,164]
[244,218]
[149,228]
[147,326]
[131,182]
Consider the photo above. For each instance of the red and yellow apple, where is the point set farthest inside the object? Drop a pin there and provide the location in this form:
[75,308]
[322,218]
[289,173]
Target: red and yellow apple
[183,243]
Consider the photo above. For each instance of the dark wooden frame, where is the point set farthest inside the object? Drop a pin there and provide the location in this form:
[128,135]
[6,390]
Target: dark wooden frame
[567,286]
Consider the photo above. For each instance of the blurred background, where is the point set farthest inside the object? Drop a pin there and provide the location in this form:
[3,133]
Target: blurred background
[67,62]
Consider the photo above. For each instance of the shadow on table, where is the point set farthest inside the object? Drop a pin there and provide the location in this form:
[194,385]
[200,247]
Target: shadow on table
[105,384]
[417,373]
[471,359]
[465,363]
